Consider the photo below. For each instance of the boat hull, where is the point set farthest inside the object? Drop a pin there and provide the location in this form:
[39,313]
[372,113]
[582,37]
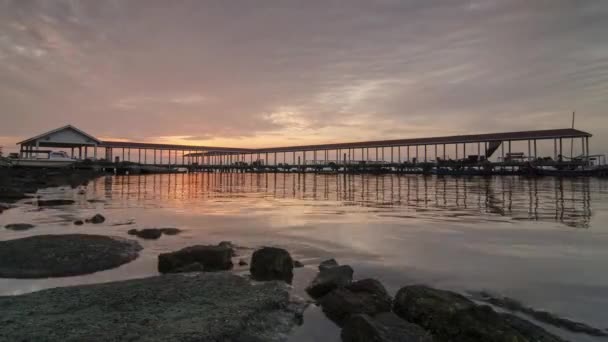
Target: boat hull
[42,163]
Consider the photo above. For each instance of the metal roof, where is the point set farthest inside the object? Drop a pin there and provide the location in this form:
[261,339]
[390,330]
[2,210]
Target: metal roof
[42,143]
[455,139]
[130,144]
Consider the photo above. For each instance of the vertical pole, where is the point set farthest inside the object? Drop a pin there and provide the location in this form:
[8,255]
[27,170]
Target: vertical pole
[535,155]
[443,151]
[392,149]
[561,153]
[554,149]
[425,153]
[408,153]
[399,154]
[435,152]
[478,150]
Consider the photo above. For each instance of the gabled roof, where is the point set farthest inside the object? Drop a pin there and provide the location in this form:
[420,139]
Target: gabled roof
[88,136]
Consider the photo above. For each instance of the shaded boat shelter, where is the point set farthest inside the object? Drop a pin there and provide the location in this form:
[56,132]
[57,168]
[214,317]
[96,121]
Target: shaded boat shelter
[419,149]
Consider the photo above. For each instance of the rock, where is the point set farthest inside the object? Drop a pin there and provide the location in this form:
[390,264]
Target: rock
[193,267]
[54,202]
[297,264]
[271,263]
[229,244]
[242,262]
[11,195]
[45,256]
[96,219]
[96,201]
[329,279]
[452,317]
[153,233]
[170,231]
[542,316]
[173,307]
[79,222]
[213,258]
[327,264]
[384,327]
[367,296]
[149,233]
[19,226]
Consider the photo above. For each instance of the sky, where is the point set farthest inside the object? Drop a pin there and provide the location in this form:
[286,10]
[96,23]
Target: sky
[273,73]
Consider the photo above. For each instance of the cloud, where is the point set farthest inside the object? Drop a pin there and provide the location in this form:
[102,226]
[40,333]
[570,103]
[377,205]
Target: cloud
[316,71]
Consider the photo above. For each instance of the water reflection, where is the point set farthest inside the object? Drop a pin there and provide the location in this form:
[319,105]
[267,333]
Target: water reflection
[567,201]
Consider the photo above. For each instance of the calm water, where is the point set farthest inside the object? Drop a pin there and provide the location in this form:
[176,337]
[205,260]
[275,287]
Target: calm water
[543,241]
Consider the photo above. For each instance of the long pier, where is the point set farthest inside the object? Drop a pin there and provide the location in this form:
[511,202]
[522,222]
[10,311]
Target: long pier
[563,150]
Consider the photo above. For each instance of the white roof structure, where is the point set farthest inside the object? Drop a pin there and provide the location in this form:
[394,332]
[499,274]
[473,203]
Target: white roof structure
[66,136]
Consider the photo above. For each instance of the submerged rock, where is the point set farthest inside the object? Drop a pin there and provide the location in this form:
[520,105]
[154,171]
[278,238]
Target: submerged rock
[96,219]
[213,258]
[79,222]
[19,226]
[54,202]
[45,256]
[146,233]
[367,296]
[452,317]
[153,233]
[174,307]
[542,316]
[170,231]
[384,327]
[271,263]
[243,263]
[329,279]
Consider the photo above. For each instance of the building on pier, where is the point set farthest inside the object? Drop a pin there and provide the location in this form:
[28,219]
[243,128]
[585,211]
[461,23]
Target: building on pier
[507,147]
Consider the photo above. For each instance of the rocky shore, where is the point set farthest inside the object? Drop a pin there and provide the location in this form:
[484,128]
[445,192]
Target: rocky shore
[20,183]
[176,307]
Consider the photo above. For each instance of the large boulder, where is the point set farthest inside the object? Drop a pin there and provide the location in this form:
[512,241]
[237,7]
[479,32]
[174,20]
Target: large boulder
[450,316]
[44,256]
[174,307]
[213,258]
[384,327]
[367,296]
[19,226]
[271,263]
[329,279]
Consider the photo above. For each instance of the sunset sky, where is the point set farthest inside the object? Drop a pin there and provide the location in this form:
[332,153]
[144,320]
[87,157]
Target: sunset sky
[271,73]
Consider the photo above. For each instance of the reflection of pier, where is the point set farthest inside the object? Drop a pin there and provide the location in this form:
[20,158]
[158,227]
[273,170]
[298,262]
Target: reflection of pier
[433,197]
[510,152]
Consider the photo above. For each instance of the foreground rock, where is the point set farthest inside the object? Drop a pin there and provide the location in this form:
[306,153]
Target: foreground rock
[153,233]
[271,263]
[329,278]
[212,258]
[367,296]
[543,316]
[384,327]
[45,256]
[452,317]
[176,307]
[19,226]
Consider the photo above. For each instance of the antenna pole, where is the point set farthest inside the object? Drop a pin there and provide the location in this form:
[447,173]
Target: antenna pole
[572,139]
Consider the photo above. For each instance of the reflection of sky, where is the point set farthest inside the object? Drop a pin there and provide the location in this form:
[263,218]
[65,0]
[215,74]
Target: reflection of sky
[260,73]
[456,199]
[509,235]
